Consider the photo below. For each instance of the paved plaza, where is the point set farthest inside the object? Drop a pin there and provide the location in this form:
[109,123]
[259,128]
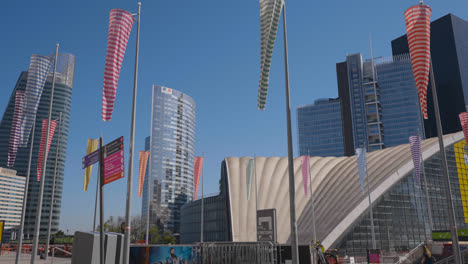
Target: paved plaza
[26,258]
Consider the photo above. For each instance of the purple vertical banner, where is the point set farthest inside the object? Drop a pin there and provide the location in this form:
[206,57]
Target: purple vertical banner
[15,134]
[305,172]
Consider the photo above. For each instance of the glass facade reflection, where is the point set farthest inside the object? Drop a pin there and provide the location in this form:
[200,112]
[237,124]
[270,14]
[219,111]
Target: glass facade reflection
[172,151]
[319,128]
[401,217]
[61,103]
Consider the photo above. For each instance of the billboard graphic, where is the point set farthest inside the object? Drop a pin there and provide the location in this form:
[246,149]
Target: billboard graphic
[164,254]
[461,159]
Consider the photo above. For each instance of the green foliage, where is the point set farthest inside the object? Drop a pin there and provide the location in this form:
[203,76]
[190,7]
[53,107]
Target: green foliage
[168,238]
[59,233]
[155,235]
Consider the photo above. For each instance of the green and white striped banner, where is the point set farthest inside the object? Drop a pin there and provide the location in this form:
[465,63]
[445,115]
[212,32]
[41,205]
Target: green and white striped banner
[270,12]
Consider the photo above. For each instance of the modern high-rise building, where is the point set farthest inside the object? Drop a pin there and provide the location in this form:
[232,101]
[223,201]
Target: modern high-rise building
[61,104]
[11,197]
[383,107]
[449,53]
[172,148]
[319,127]
[377,107]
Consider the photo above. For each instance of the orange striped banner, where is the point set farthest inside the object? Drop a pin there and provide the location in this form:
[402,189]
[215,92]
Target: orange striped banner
[142,170]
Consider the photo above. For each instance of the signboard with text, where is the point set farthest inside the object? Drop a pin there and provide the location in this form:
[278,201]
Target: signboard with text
[266,225]
[114,168]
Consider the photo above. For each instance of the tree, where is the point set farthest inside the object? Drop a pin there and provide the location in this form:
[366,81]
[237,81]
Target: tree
[59,233]
[155,235]
[168,238]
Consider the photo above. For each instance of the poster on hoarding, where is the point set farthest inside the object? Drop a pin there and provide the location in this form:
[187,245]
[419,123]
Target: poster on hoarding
[164,255]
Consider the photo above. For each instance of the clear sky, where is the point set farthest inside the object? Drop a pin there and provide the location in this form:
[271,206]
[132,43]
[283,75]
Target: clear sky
[208,49]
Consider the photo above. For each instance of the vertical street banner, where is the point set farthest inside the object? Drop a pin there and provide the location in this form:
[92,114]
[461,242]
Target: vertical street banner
[37,75]
[196,175]
[248,174]
[464,123]
[418,29]
[361,164]
[143,163]
[120,26]
[270,12]
[40,159]
[114,167]
[461,160]
[415,146]
[91,146]
[15,133]
[305,172]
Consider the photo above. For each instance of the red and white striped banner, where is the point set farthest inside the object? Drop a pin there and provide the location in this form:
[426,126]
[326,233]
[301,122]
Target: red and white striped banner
[418,29]
[143,163]
[464,123]
[40,159]
[196,174]
[120,26]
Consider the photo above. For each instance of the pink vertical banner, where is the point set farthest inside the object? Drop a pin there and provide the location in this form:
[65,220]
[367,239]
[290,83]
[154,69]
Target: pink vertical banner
[305,172]
[40,159]
[196,175]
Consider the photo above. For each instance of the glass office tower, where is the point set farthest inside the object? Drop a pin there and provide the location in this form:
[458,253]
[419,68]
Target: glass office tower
[61,104]
[319,128]
[172,149]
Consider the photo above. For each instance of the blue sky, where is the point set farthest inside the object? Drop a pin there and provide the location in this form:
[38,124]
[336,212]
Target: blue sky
[207,49]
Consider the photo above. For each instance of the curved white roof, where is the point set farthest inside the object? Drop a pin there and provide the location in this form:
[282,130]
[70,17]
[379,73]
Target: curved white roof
[339,201]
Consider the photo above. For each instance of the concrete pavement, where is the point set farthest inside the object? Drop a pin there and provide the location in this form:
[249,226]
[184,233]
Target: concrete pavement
[10,257]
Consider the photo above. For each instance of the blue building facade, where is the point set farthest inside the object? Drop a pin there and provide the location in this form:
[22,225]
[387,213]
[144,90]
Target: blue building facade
[172,151]
[319,128]
[61,104]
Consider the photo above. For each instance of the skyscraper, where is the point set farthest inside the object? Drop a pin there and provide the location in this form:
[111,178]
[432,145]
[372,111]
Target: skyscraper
[382,108]
[449,54]
[172,151]
[319,128]
[61,104]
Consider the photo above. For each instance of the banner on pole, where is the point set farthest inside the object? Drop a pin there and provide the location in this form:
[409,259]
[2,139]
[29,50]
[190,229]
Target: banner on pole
[120,26]
[15,133]
[114,168]
[270,12]
[415,145]
[461,160]
[37,75]
[464,123]
[361,164]
[418,29]
[196,175]
[248,173]
[91,146]
[305,172]
[40,159]
[143,163]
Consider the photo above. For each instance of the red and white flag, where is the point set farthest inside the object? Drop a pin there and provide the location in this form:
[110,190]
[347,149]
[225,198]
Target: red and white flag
[418,29]
[305,172]
[196,174]
[40,159]
[143,163]
[464,123]
[120,26]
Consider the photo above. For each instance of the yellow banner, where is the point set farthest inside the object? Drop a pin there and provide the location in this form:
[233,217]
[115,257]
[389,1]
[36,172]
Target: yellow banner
[91,146]
[461,157]
[2,225]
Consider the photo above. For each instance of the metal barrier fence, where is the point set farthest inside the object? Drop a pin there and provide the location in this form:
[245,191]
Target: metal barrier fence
[451,260]
[238,253]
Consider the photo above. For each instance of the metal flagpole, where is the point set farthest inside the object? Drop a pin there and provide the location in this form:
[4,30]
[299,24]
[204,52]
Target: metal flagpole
[292,191]
[202,201]
[452,221]
[314,232]
[44,163]
[429,210]
[25,197]
[98,180]
[101,201]
[126,253]
[148,180]
[374,246]
[96,201]
[53,185]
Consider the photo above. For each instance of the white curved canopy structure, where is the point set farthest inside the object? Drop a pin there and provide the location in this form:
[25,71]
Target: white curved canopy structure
[339,201]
